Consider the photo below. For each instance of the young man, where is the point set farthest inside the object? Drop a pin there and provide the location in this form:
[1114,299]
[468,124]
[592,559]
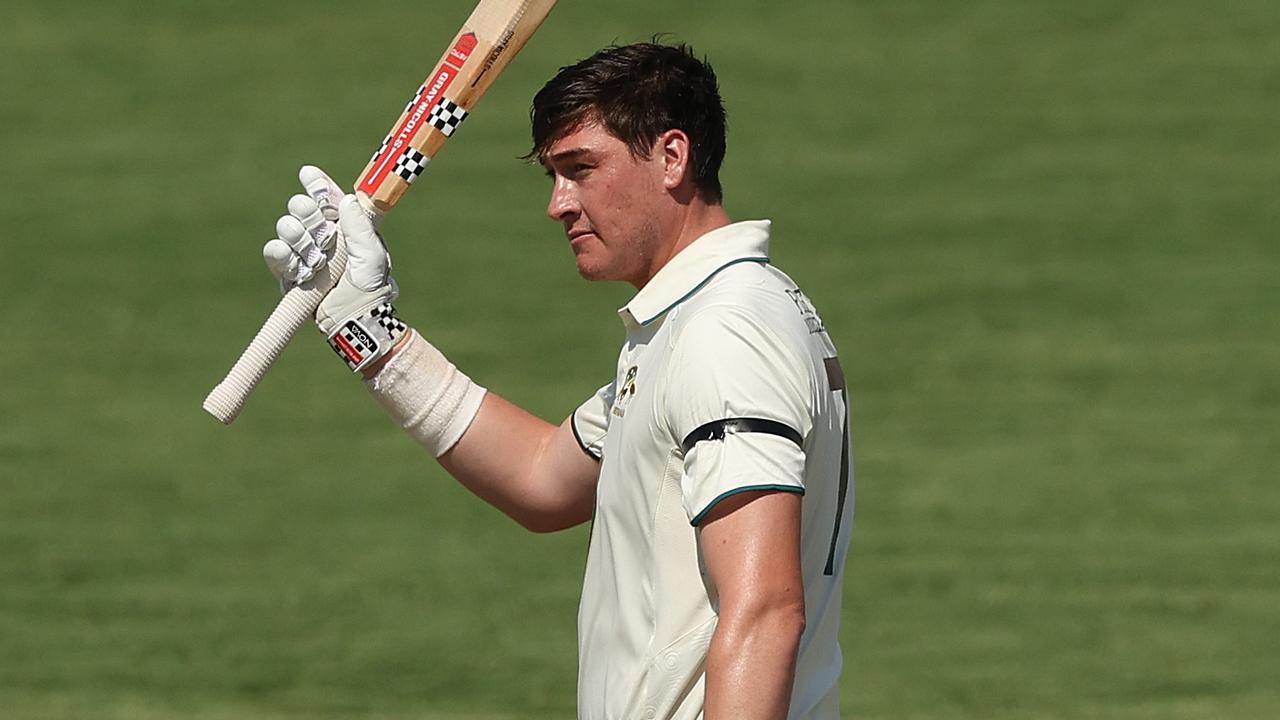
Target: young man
[715,465]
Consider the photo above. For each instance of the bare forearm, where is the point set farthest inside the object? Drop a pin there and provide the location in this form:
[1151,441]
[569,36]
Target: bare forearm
[751,664]
[498,460]
[530,469]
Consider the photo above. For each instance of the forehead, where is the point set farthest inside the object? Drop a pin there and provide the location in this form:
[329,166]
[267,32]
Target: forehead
[589,137]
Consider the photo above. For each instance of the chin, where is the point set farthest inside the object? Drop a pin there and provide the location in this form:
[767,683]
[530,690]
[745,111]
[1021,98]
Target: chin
[591,273]
[590,270]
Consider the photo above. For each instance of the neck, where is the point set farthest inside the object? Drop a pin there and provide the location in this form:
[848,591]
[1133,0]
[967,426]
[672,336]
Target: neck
[692,221]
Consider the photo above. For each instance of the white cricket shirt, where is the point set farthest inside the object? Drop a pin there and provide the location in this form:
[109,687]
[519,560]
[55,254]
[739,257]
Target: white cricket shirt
[727,382]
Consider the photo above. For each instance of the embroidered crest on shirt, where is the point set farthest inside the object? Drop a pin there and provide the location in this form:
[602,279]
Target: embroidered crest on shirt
[806,311]
[627,392]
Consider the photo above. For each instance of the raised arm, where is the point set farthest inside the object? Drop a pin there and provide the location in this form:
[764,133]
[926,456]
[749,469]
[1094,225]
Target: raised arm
[533,471]
[530,469]
[526,467]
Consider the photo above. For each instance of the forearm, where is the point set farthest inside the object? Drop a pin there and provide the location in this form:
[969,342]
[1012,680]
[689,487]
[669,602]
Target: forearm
[751,663]
[513,460]
[430,398]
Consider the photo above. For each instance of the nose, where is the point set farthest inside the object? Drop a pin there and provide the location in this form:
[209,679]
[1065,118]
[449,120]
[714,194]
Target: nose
[563,204]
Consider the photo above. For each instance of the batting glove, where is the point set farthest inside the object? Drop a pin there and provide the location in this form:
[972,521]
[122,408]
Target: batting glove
[357,315]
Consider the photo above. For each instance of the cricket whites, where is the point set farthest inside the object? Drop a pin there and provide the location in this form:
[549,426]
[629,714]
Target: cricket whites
[488,40]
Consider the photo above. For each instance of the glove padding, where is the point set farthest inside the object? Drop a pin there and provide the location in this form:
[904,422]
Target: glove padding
[306,236]
[367,281]
[357,315]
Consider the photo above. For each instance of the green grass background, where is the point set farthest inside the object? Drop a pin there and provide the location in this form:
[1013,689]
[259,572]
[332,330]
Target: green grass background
[1044,235]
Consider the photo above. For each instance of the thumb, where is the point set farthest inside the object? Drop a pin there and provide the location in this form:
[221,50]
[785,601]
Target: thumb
[368,264]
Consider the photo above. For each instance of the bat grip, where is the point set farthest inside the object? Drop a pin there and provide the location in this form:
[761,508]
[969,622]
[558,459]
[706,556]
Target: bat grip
[296,309]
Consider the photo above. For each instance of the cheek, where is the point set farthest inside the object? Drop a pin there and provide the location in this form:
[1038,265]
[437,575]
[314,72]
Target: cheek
[618,210]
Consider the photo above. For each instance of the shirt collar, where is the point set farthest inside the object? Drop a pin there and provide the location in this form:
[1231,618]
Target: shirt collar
[693,266]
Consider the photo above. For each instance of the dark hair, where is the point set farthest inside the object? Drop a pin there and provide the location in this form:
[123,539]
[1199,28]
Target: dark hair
[637,92]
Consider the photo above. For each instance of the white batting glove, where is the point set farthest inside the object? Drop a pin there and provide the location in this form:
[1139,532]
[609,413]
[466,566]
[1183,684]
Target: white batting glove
[357,315]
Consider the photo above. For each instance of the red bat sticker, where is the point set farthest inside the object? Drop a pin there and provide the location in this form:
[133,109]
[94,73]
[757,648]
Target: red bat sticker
[432,89]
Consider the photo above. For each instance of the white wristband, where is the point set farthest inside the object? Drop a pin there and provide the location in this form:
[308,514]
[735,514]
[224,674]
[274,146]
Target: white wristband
[431,399]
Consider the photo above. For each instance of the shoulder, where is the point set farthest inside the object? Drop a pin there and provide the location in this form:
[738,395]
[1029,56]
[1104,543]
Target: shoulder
[742,324]
[748,295]
[739,349]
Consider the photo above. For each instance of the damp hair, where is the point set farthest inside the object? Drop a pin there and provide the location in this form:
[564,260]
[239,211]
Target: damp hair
[637,92]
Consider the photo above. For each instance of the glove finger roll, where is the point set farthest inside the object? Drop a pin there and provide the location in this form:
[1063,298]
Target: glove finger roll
[308,212]
[281,260]
[291,230]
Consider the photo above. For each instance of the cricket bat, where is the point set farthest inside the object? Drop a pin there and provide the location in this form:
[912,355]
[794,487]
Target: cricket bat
[488,40]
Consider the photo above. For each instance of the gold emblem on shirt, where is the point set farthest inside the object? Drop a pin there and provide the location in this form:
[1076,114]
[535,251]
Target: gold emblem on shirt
[627,392]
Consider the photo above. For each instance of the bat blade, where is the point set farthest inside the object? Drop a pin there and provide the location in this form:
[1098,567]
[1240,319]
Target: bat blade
[491,36]
[488,40]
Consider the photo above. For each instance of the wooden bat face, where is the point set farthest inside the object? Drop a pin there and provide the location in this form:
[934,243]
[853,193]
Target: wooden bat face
[429,106]
[488,40]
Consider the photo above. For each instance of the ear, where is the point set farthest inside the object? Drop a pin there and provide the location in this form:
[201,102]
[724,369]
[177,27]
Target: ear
[673,147]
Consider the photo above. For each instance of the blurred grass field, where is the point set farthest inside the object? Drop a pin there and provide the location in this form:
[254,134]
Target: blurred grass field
[1043,234]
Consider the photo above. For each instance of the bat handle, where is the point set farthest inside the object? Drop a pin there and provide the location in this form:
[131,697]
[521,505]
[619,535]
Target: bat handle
[296,309]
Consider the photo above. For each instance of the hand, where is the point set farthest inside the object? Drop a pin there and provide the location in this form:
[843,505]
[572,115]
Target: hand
[366,283]
[356,315]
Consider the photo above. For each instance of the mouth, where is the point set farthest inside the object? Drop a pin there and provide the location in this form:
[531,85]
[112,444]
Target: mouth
[577,237]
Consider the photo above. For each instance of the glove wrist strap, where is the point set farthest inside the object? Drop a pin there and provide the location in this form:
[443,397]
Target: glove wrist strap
[369,335]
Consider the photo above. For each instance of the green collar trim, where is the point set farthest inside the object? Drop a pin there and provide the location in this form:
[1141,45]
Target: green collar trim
[761,259]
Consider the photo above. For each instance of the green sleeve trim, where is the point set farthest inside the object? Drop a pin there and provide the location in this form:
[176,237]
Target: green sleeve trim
[573,425]
[750,488]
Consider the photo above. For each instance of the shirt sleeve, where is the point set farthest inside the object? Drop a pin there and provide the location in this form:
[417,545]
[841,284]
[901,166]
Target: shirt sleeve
[738,400]
[590,422]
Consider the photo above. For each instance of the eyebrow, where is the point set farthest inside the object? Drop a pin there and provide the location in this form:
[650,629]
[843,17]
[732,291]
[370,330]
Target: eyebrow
[569,154]
[564,155]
